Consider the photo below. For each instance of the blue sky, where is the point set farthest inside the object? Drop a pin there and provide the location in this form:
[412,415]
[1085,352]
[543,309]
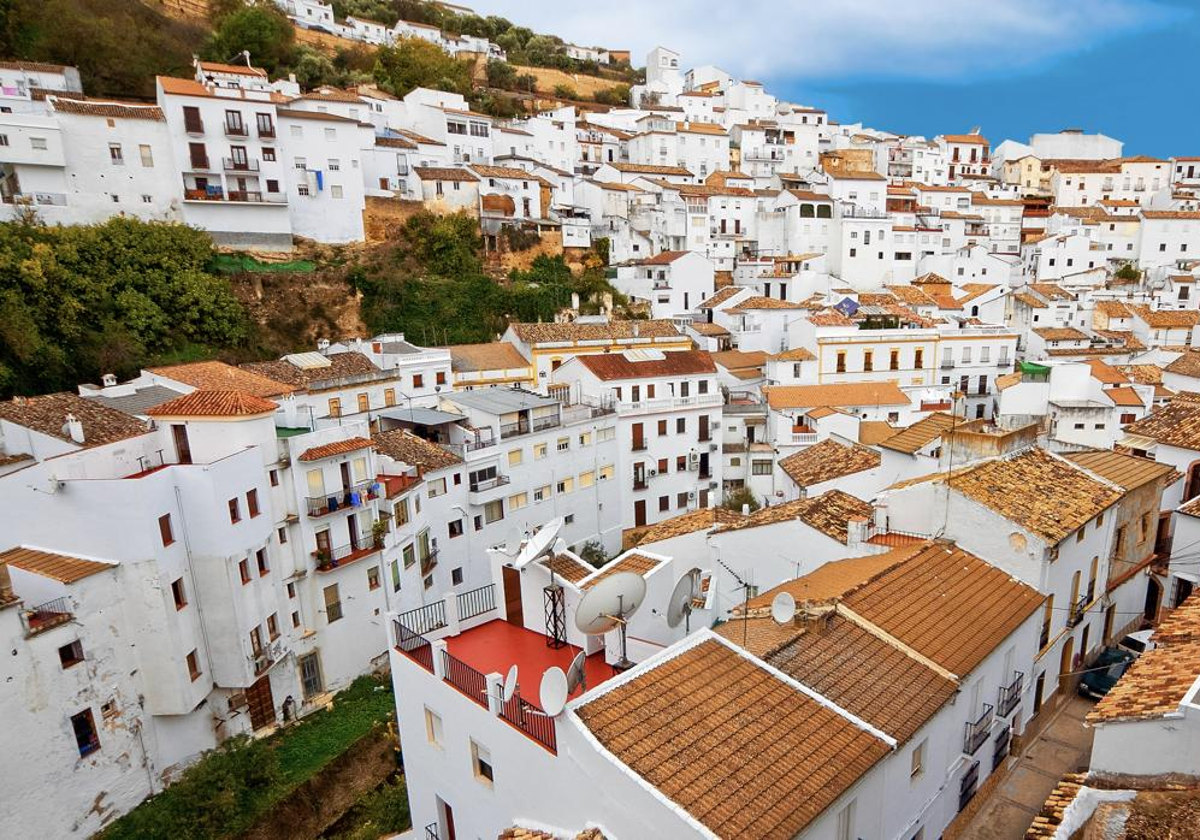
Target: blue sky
[1126,68]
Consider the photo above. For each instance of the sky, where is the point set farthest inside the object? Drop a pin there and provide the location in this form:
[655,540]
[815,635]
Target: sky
[1126,68]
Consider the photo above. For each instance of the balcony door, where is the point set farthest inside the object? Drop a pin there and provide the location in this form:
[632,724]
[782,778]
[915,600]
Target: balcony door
[513,610]
[639,513]
[183,448]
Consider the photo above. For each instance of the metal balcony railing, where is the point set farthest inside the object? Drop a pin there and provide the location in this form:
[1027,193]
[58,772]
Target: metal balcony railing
[1078,610]
[476,602]
[237,165]
[329,559]
[531,720]
[424,619]
[1010,695]
[977,731]
[466,679]
[354,496]
[47,615]
[429,561]
[489,483]
[236,130]
[412,643]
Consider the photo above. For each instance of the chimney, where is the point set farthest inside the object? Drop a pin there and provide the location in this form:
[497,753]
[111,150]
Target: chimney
[74,428]
[637,329]
[322,345]
[575,300]
[108,380]
[745,510]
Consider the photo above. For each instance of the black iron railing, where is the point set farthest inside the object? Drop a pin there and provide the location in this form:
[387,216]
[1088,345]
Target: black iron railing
[477,601]
[47,615]
[465,678]
[425,619]
[416,646]
[977,731]
[531,720]
[431,831]
[429,561]
[341,555]
[1010,695]
[354,496]
[1003,742]
[968,786]
[1078,610]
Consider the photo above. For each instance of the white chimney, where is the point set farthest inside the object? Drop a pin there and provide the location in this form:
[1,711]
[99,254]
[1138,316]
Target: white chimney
[108,380]
[322,345]
[74,428]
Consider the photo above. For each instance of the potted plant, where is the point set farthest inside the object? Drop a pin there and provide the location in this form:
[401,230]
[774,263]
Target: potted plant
[378,529]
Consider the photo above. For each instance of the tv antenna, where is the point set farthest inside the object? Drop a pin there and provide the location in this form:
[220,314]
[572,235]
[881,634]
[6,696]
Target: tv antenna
[608,605]
[745,587]
[679,606]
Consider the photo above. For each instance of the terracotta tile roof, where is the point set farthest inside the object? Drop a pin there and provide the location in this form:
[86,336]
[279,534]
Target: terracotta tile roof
[418,138]
[687,523]
[330,94]
[1008,380]
[61,567]
[214,404]
[1106,373]
[507,172]
[664,258]
[911,295]
[1166,318]
[977,139]
[1029,300]
[946,604]
[1188,364]
[827,513]
[1157,681]
[1175,424]
[919,434]
[830,318]
[759,302]
[337,447]
[649,169]
[696,727]
[1042,493]
[32,66]
[613,330]
[567,567]
[1191,215]
[1126,471]
[609,367]
[632,561]
[47,414]
[1060,334]
[218,376]
[841,395]
[394,142]
[1047,822]
[1125,396]
[873,432]
[707,329]
[826,461]
[516,832]
[494,355]
[796,354]
[835,579]
[1050,291]
[720,296]
[106,108]
[1113,308]
[403,446]
[863,674]
[236,69]
[340,365]
[1144,374]
[739,359]
[444,173]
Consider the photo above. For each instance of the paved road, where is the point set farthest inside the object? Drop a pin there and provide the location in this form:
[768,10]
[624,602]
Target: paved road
[1063,746]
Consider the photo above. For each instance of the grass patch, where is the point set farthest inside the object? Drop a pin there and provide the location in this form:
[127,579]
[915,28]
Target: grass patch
[228,789]
[382,811]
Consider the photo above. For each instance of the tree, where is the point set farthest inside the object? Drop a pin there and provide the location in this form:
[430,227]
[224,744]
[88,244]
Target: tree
[1128,272]
[616,96]
[565,92]
[412,63]
[527,82]
[592,553]
[501,74]
[740,498]
[262,30]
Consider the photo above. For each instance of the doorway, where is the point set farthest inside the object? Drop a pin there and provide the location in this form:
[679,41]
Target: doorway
[513,610]
[1065,663]
[1154,593]
[183,447]
[639,513]
[261,702]
[1039,692]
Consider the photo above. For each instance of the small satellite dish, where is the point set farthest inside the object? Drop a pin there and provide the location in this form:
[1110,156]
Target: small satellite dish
[576,675]
[679,606]
[783,608]
[560,546]
[510,684]
[539,543]
[553,693]
[607,604]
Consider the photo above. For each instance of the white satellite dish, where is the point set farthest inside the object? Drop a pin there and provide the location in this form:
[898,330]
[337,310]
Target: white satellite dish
[560,546]
[679,606]
[539,543]
[783,608]
[510,684]
[553,693]
[608,605]
[576,674]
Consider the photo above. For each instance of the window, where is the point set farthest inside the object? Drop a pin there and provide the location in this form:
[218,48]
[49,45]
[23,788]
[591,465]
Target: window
[1080,533]
[291,590]
[193,663]
[662,427]
[518,501]
[252,502]
[433,727]
[565,485]
[273,626]
[481,761]
[164,529]
[178,593]
[918,758]
[437,487]
[335,191]
[333,603]
[331,134]
[281,534]
[760,467]
[3,139]
[244,570]
[563,444]
[410,555]
[515,456]
[147,155]
[541,493]
[919,358]
[455,528]
[71,654]
[587,479]
[373,578]
[868,360]
[493,511]
[680,425]
[400,512]
[235,511]
[1147,525]
[841,362]
[894,360]
[664,503]
[260,557]
[86,737]
[585,439]
[606,472]
[845,822]
[539,451]
[335,165]
[38,144]
[418,380]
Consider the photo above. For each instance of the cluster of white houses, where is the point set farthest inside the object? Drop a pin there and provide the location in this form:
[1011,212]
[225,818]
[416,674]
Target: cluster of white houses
[962,386]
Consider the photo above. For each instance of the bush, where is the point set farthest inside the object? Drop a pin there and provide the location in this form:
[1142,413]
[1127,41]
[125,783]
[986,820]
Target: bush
[615,96]
[264,31]
[501,74]
[740,498]
[593,552]
[1128,272]
[565,92]
[412,63]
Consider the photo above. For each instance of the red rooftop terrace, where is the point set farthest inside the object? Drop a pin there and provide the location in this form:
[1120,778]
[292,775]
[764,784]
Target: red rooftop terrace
[492,645]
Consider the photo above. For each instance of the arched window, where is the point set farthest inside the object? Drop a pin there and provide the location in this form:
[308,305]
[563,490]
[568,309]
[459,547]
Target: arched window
[824,211]
[806,211]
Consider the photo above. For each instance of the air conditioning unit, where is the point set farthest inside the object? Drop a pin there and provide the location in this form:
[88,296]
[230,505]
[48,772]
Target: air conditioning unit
[691,495]
[712,447]
[651,473]
[693,460]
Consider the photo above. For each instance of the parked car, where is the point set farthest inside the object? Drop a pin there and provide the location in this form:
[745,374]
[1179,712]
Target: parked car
[1103,674]
[1137,643]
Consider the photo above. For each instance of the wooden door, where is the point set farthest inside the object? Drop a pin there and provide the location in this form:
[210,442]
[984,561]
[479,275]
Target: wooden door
[639,513]
[1066,666]
[183,447]
[262,704]
[512,597]
[449,821]
[639,442]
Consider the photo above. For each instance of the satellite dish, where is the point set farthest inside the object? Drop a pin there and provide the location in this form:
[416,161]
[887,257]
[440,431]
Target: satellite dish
[553,693]
[539,543]
[679,606]
[608,605]
[576,675]
[560,546]
[783,608]
[510,684]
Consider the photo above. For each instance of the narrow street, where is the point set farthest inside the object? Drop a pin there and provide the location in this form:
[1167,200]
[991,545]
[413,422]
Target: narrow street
[1063,746]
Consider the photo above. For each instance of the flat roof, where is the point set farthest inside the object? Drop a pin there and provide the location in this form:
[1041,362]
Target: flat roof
[500,400]
[419,415]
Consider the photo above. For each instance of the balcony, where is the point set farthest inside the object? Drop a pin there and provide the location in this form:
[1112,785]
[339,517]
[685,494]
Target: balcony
[1010,695]
[199,164]
[670,403]
[485,490]
[235,165]
[234,196]
[977,731]
[236,130]
[354,496]
[479,443]
[639,445]
[947,364]
[804,438]
[640,483]
[1078,611]
[429,561]
[266,132]
[329,559]
[45,616]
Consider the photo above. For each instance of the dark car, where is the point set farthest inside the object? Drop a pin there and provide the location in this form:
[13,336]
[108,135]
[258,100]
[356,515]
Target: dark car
[1103,674]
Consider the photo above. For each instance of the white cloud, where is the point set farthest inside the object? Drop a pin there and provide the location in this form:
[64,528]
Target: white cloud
[837,39]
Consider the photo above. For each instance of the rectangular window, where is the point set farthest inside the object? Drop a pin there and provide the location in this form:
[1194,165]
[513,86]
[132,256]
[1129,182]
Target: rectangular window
[493,511]
[70,655]
[335,191]
[260,558]
[539,451]
[333,603]
[418,380]
[178,593]
[563,444]
[335,407]
[437,487]
[454,528]
[252,502]
[433,728]
[273,626]
[518,501]
[193,663]
[515,456]
[566,485]
[37,143]
[373,578]
[410,555]
[760,467]
[541,493]
[235,511]
[587,479]
[845,822]
[918,759]
[164,529]
[147,155]
[86,737]
[244,570]
[606,472]
[400,511]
